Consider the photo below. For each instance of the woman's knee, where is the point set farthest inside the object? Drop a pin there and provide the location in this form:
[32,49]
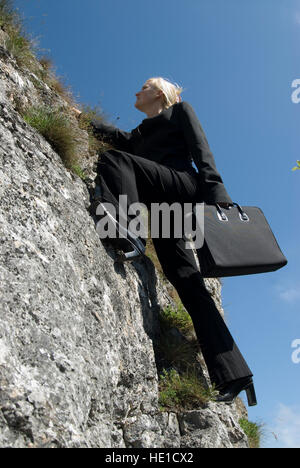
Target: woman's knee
[109,156]
[113,158]
[108,162]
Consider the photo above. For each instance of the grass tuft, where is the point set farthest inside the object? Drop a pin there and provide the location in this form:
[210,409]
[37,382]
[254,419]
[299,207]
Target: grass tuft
[96,146]
[253,431]
[182,386]
[178,318]
[21,49]
[177,354]
[8,16]
[56,129]
[17,44]
[182,392]
[56,126]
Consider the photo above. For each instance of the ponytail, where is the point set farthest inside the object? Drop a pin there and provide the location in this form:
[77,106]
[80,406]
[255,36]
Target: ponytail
[171,91]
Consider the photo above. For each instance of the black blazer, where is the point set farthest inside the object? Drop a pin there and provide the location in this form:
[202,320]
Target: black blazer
[173,138]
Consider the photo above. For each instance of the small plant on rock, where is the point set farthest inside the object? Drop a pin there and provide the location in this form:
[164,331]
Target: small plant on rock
[56,129]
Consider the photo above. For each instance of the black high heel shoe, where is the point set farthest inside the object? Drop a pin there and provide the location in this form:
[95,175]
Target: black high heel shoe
[128,246]
[229,392]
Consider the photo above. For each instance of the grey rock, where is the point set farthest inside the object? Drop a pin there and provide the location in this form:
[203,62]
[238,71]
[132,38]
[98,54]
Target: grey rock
[214,426]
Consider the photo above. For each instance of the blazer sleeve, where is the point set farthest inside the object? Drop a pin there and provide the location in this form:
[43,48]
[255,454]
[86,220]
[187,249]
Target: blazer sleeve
[211,183]
[117,138]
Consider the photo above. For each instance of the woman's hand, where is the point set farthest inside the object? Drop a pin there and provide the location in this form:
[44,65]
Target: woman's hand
[77,112]
[225,204]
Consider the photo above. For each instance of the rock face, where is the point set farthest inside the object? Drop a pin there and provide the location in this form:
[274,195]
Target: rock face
[77,332]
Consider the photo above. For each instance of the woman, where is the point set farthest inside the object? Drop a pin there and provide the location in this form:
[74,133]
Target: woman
[153,163]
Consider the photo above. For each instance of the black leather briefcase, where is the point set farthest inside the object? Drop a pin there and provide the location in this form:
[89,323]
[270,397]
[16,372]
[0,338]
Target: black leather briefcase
[238,241]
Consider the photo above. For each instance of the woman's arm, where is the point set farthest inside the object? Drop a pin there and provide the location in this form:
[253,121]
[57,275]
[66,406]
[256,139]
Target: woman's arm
[210,180]
[118,138]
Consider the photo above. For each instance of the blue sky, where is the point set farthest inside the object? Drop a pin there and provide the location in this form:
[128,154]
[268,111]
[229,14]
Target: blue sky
[236,60]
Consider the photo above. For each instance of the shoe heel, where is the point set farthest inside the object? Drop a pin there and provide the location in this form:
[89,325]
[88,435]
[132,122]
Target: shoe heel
[251,396]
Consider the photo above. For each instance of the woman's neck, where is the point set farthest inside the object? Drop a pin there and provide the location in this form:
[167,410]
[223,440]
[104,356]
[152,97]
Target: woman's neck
[154,110]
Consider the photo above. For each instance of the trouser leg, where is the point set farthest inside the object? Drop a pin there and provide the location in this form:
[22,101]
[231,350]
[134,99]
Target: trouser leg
[221,354]
[144,181]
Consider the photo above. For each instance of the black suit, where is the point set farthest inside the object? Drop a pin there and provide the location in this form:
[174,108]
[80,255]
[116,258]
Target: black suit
[174,138]
[153,163]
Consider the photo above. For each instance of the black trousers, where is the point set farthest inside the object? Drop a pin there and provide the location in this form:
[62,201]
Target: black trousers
[146,182]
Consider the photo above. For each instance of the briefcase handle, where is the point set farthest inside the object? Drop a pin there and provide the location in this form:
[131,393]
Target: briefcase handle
[222,216]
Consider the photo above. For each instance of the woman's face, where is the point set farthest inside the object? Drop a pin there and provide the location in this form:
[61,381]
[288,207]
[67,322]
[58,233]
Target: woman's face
[147,96]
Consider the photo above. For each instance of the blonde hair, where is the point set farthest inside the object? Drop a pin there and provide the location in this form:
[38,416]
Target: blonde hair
[171,91]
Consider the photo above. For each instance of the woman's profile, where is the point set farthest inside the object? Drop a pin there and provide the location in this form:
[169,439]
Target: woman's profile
[167,159]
